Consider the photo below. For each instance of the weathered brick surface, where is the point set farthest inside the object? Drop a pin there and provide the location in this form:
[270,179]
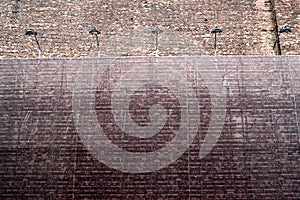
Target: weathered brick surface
[288,12]
[42,155]
[62,26]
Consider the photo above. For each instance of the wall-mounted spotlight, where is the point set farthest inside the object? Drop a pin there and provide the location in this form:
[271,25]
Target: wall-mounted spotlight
[156,31]
[33,32]
[284,29]
[216,30]
[96,32]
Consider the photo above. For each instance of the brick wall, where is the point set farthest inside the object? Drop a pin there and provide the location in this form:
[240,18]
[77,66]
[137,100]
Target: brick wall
[44,153]
[62,26]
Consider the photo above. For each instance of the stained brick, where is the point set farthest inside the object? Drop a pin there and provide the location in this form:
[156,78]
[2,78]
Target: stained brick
[42,155]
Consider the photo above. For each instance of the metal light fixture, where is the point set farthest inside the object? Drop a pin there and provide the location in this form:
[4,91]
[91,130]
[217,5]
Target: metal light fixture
[96,32]
[216,30]
[156,31]
[33,32]
[284,29]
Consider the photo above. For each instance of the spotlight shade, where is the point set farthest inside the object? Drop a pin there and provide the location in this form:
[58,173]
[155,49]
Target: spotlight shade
[216,30]
[157,30]
[30,32]
[285,29]
[94,31]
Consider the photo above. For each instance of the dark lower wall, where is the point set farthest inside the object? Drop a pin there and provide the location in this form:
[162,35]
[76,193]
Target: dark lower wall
[249,104]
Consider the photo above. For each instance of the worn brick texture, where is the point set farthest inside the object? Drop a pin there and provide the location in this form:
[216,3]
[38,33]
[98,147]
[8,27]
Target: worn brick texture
[288,12]
[249,27]
[43,155]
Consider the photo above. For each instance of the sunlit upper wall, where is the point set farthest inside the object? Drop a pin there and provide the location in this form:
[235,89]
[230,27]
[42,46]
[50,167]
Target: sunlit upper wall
[63,27]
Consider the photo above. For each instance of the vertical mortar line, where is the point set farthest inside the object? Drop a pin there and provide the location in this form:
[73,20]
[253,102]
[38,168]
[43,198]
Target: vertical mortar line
[187,103]
[153,81]
[278,71]
[16,80]
[110,76]
[244,122]
[198,96]
[298,128]
[274,135]
[297,119]
[75,166]
[56,118]
[246,128]
[240,81]
[110,87]
[25,117]
[24,102]
[61,85]
[14,104]
[273,73]
[15,92]
[24,85]
[150,71]
[123,113]
[294,98]
[244,118]
[37,69]
[55,104]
